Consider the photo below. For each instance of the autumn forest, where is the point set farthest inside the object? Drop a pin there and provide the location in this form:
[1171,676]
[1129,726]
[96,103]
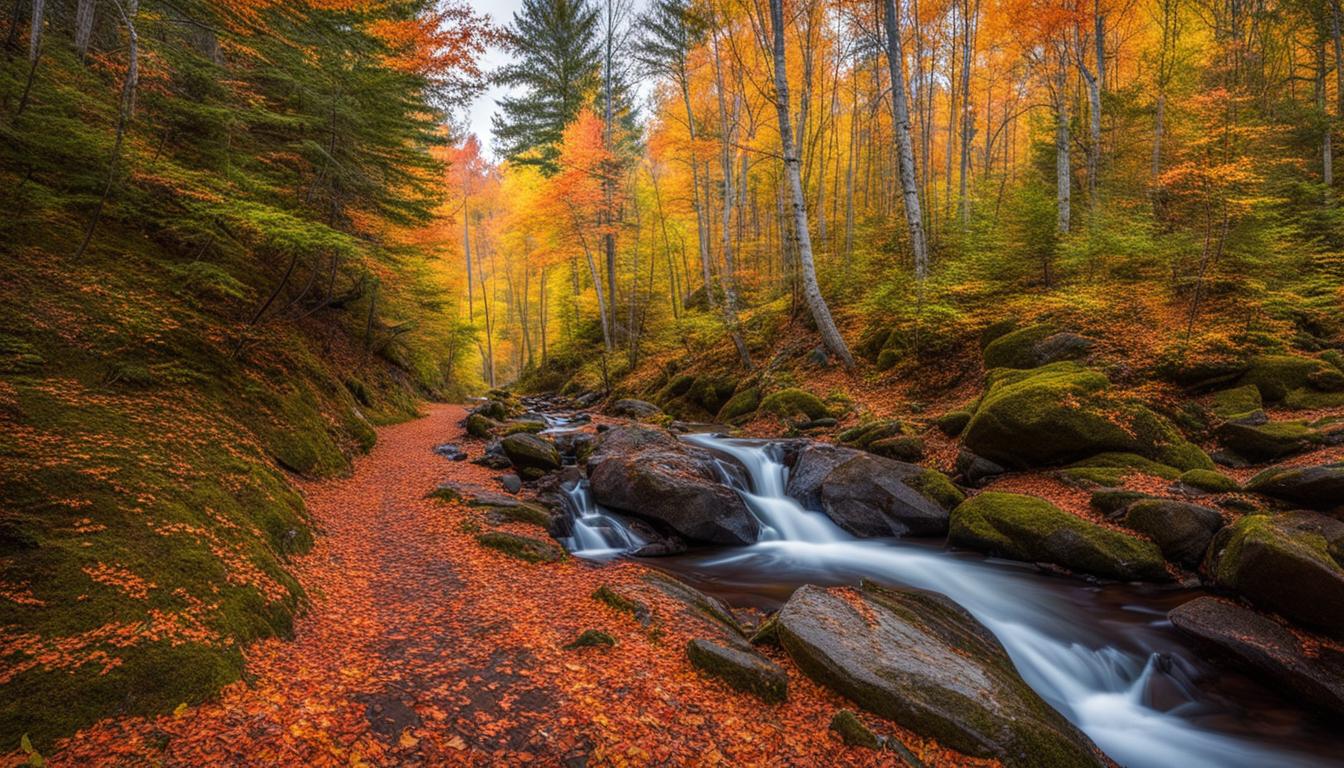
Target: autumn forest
[671,382]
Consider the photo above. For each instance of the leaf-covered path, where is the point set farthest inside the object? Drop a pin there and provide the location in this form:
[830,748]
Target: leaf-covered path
[422,647]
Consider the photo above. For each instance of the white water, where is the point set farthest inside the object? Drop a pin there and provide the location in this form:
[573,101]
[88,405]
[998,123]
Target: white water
[1103,684]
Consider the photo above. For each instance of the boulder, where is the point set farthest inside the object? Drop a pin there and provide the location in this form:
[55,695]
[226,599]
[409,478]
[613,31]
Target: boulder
[953,422]
[864,494]
[1269,441]
[739,667]
[1237,403]
[649,474]
[1016,349]
[903,448]
[1207,481]
[480,426]
[451,451]
[1289,563]
[630,408]
[794,402]
[1266,649]
[742,404]
[1181,530]
[1277,375]
[532,455]
[1031,529]
[921,660]
[975,470]
[1319,487]
[1060,413]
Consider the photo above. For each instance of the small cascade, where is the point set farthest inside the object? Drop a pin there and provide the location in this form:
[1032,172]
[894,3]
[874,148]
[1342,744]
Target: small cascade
[596,533]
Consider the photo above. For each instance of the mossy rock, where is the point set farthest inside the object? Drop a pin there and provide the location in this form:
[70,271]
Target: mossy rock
[1181,530]
[479,426]
[997,330]
[1265,442]
[741,668]
[903,448]
[1060,412]
[864,435]
[1277,375]
[1108,501]
[1309,399]
[742,404]
[523,548]
[1016,349]
[529,514]
[936,487]
[852,731]
[953,423]
[493,409]
[1209,480]
[519,426]
[613,599]
[792,402]
[711,394]
[1032,529]
[1129,462]
[676,387]
[591,638]
[1237,402]
[532,455]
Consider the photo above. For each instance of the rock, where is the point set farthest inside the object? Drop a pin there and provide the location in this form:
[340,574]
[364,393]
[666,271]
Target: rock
[532,455]
[523,548]
[1062,346]
[1016,349]
[852,730]
[1288,563]
[743,669]
[953,422]
[699,608]
[495,409]
[635,409]
[789,403]
[1181,530]
[864,494]
[511,482]
[1277,375]
[822,423]
[1060,413]
[451,451]
[480,426]
[1236,403]
[591,638]
[650,474]
[1266,649]
[919,659]
[1111,501]
[1031,529]
[1267,442]
[904,448]
[515,426]
[1208,480]
[1229,460]
[865,435]
[975,470]
[1319,487]
[742,404]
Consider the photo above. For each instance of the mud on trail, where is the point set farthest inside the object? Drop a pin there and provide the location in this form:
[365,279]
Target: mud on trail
[422,647]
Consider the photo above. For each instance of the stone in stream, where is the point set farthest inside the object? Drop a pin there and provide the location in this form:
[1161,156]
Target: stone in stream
[868,495]
[1181,530]
[1031,529]
[921,660]
[532,455]
[1291,563]
[1266,648]
[1320,486]
[649,474]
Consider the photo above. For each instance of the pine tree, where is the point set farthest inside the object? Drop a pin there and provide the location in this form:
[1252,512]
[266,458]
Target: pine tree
[557,65]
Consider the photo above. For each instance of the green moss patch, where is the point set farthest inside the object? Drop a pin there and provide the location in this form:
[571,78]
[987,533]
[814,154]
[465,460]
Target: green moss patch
[591,638]
[1209,480]
[852,731]
[793,402]
[523,548]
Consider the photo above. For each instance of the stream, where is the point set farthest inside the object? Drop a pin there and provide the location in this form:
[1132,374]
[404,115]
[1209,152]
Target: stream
[1104,656]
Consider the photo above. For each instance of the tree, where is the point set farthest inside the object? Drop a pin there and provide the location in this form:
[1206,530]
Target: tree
[821,313]
[557,61]
[900,115]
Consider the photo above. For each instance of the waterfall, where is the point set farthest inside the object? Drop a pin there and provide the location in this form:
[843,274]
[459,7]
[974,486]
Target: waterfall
[1097,671]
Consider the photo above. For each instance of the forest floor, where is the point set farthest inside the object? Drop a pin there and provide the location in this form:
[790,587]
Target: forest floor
[422,647]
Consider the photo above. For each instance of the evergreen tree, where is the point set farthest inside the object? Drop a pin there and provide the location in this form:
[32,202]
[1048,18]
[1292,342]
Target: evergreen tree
[557,65]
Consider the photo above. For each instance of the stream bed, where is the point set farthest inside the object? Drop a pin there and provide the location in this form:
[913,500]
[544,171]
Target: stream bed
[1103,655]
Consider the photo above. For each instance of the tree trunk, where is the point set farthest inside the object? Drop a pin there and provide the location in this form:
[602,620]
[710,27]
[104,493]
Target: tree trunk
[1327,150]
[84,17]
[466,248]
[1093,86]
[1063,177]
[701,226]
[969,16]
[900,114]
[821,314]
[726,240]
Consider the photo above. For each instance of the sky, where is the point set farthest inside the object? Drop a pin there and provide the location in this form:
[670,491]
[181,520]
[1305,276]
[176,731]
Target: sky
[478,118]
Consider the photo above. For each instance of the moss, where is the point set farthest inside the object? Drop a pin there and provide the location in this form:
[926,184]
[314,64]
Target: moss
[1208,480]
[1111,500]
[864,435]
[1277,375]
[521,547]
[1132,462]
[591,638]
[997,330]
[676,387]
[1034,530]
[446,492]
[953,422]
[791,402]
[1017,348]
[523,426]
[1237,402]
[852,730]
[936,487]
[741,669]
[767,633]
[521,513]
[711,394]
[741,404]
[1269,441]
[481,426]
[903,448]
[610,597]
[1308,399]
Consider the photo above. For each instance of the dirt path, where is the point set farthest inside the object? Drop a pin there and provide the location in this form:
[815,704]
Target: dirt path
[422,647]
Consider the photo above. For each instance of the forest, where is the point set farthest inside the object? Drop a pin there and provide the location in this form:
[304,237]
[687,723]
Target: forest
[671,382]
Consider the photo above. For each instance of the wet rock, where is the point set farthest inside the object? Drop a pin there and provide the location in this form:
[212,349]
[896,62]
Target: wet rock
[1320,486]
[1181,530]
[864,494]
[494,456]
[741,668]
[822,423]
[1291,563]
[919,659]
[1034,530]
[451,451]
[648,473]
[532,455]
[630,408]
[1266,649]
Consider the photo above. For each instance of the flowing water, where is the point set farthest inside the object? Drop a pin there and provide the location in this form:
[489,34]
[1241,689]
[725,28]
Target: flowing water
[1105,657]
